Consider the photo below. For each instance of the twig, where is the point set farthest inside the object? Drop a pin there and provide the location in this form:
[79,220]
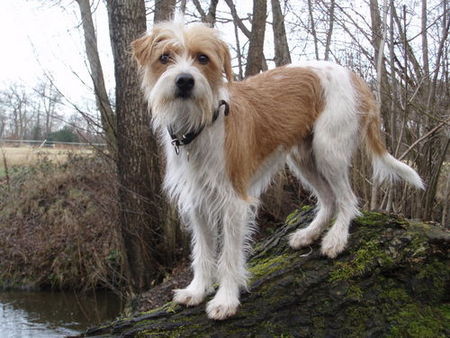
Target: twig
[431,132]
[5,164]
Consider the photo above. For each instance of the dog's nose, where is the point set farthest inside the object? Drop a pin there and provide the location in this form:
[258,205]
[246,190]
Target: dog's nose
[185,82]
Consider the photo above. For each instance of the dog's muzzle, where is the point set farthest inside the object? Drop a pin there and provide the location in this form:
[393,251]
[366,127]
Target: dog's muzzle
[185,83]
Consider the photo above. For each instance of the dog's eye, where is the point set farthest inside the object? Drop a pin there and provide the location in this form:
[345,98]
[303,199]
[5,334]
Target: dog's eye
[164,58]
[202,59]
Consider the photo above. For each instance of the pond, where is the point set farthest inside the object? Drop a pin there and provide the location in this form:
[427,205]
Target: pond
[54,314]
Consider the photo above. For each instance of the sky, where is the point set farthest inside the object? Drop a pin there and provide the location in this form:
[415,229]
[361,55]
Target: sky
[44,37]
[40,38]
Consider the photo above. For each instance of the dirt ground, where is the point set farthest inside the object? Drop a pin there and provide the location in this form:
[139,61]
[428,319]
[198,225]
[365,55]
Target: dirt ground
[161,294]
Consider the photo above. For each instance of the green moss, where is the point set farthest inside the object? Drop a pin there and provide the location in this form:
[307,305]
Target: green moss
[306,208]
[406,317]
[409,317]
[445,311]
[435,270]
[354,292]
[394,295]
[269,265]
[432,279]
[170,307]
[356,318]
[275,329]
[369,254]
[292,218]
[319,325]
[415,320]
[156,333]
[371,218]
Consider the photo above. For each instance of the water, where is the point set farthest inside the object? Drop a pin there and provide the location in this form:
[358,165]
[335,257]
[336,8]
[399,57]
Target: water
[26,314]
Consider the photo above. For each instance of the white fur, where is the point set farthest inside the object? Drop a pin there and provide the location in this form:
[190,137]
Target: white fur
[220,221]
[388,168]
[209,204]
[336,137]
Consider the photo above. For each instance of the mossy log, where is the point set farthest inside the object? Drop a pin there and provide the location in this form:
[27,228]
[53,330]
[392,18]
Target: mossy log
[392,280]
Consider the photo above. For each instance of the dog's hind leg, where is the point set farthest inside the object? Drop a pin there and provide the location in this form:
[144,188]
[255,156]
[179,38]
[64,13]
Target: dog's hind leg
[333,159]
[203,262]
[231,266]
[302,163]
[335,240]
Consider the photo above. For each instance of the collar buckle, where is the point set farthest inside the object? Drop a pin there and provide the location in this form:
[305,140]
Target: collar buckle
[176,145]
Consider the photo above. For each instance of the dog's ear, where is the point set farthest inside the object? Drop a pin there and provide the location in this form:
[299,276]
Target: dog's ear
[226,59]
[142,49]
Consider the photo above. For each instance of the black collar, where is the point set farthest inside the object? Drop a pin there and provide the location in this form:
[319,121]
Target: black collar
[187,138]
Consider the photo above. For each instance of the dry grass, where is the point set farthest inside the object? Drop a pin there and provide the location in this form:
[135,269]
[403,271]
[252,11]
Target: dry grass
[59,225]
[26,155]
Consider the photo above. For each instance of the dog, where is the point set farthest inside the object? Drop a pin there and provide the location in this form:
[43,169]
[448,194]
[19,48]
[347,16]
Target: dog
[224,140]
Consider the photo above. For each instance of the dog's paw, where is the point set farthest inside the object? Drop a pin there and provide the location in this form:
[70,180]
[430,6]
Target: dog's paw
[333,245]
[301,238]
[220,309]
[188,297]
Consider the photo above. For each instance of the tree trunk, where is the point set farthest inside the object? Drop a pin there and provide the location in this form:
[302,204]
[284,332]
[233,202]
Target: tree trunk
[378,42]
[164,10]
[255,56]
[330,29]
[108,118]
[210,17]
[282,55]
[313,29]
[392,280]
[426,64]
[140,202]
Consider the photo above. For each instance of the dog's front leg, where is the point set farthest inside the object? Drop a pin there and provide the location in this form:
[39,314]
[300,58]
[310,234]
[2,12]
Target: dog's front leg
[203,261]
[231,266]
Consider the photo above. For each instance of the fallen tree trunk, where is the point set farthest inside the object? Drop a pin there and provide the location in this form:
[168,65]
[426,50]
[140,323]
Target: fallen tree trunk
[393,279]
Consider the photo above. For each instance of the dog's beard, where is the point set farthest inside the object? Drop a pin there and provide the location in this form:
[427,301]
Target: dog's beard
[182,115]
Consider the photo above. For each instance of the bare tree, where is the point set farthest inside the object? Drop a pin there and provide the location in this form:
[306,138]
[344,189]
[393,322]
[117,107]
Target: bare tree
[330,29]
[3,118]
[49,102]
[312,23]
[18,102]
[108,118]
[379,39]
[282,55]
[164,10]
[210,16]
[238,22]
[255,56]
[138,166]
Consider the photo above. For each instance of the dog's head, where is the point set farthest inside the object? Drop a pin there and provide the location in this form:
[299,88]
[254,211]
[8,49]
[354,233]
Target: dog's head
[183,69]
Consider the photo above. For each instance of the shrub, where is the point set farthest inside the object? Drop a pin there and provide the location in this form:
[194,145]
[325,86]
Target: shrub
[59,225]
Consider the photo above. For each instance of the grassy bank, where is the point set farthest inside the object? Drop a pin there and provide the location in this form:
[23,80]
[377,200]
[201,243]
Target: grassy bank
[58,222]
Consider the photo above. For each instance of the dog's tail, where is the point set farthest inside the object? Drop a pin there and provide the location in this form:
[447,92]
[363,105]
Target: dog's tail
[385,166]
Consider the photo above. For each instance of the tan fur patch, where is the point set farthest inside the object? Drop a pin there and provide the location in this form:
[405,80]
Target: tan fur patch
[370,115]
[274,109]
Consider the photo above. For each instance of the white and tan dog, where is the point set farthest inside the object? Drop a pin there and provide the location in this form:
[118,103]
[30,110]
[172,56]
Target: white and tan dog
[310,116]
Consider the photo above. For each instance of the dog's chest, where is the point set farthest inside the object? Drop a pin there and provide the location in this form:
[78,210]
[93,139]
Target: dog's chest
[197,175]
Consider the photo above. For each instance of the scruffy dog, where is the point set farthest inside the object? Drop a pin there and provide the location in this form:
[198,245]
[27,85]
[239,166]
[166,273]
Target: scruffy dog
[224,140]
